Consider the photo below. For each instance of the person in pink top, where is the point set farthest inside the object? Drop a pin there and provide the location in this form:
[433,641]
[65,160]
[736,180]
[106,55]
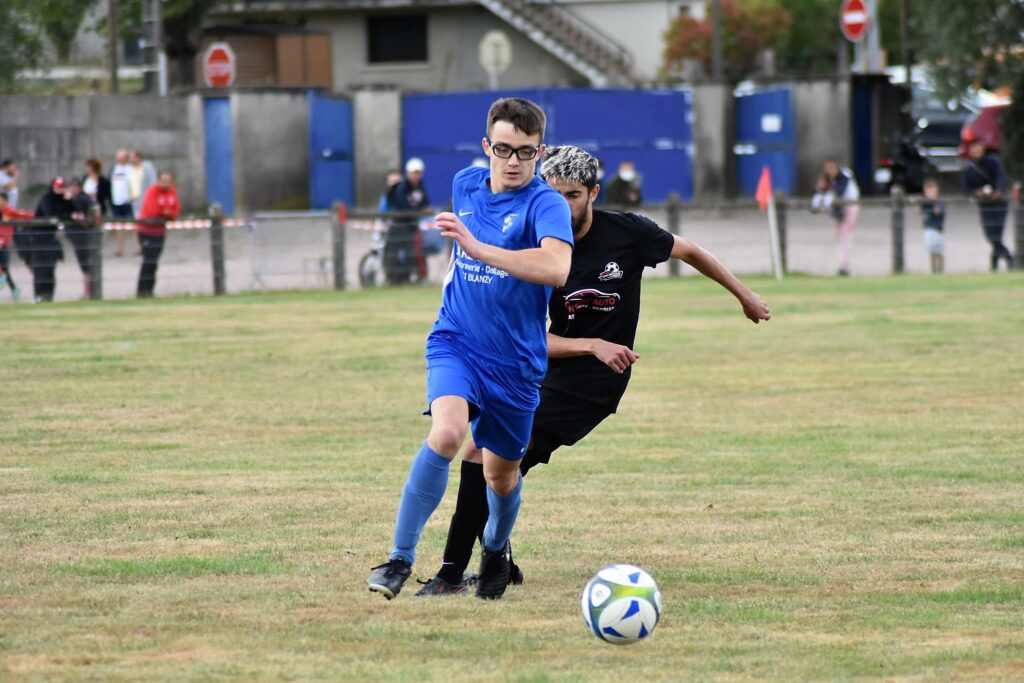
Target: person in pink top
[160,202]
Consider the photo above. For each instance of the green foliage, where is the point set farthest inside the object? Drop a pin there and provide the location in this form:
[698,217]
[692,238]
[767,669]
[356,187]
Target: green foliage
[748,27]
[20,46]
[60,20]
[811,44]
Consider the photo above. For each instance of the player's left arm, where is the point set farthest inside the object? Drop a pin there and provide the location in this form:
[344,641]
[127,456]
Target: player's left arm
[547,264]
[693,254]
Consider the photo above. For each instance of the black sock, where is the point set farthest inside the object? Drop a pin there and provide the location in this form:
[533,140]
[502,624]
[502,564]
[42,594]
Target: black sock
[467,522]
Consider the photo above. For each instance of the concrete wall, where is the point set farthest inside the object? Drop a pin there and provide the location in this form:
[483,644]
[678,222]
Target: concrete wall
[453,42]
[377,117]
[271,142]
[823,127]
[51,136]
[714,132]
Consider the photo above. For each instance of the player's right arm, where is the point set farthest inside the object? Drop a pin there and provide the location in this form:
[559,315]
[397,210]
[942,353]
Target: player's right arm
[615,356]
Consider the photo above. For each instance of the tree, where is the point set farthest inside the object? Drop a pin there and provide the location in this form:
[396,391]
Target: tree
[60,20]
[20,46]
[748,28]
[183,22]
[811,45]
[976,44]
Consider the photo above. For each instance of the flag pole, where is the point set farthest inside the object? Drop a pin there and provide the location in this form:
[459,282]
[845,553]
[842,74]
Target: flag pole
[773,232]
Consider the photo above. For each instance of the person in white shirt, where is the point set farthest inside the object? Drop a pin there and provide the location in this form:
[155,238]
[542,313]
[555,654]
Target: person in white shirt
[121,197]
[9,174]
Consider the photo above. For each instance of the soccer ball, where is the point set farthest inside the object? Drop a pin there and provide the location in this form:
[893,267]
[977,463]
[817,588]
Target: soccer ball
[621,604]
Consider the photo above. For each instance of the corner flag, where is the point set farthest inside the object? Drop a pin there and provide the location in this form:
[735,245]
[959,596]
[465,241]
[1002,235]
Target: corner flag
[763,193]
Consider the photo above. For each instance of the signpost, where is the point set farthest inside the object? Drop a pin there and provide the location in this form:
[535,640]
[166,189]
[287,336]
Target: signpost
[853,20]
[219,65]
[495,55]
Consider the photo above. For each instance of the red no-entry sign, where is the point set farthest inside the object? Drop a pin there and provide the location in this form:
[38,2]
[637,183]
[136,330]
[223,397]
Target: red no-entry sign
[219,65]
[853,19]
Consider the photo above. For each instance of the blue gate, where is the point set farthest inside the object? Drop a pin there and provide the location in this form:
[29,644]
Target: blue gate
[652,128]
[219,160]
[765,136]
[331,168]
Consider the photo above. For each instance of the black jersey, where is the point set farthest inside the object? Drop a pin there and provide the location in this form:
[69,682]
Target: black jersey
[601,299]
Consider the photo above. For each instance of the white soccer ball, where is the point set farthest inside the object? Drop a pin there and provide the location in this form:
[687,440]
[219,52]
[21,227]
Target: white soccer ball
[621,604]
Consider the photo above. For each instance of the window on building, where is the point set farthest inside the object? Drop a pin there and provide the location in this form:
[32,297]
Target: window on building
[397,38]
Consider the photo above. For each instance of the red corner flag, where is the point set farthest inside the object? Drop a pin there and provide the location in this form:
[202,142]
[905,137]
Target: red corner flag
[764,189]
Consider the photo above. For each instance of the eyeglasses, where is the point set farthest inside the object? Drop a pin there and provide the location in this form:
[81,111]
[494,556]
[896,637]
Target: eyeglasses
[503,151]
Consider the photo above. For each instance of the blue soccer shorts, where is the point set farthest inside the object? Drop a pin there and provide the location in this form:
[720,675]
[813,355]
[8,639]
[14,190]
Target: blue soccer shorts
[501,402]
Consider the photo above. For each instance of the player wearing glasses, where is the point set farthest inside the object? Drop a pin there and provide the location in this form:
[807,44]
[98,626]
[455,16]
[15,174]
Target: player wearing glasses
[487,352]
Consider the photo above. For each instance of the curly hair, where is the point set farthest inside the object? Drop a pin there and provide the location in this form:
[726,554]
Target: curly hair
[571,164]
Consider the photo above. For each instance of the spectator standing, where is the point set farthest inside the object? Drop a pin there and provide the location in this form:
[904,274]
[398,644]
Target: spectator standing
[161,201]
[9,175]
[121,196]
[985,181]
[837,191]
[42,250]
[79,229]
[933,216]
[141,178]
[97,185]
[624,188]
[7,231]
[392,178]
[402,251]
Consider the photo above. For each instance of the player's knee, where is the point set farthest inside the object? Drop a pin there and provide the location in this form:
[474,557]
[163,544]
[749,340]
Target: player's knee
[446,439]
[502,483]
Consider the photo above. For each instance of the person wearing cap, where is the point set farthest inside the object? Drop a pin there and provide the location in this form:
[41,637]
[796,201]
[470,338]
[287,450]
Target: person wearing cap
[40,248]
[403,249]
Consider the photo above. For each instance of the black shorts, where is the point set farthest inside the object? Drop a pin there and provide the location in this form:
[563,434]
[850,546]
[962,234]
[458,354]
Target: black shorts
[560,420]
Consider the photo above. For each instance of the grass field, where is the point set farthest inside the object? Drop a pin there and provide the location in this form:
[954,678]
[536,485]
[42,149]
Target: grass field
[195,489]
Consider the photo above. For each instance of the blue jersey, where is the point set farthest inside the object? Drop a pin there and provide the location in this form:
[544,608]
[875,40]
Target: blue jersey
[500,316]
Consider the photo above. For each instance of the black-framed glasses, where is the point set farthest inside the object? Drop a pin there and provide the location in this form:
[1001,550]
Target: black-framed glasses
[503,151]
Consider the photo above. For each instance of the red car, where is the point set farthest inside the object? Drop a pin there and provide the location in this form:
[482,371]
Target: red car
[983,126]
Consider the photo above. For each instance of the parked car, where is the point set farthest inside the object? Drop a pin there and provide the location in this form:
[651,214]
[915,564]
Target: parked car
[984,126]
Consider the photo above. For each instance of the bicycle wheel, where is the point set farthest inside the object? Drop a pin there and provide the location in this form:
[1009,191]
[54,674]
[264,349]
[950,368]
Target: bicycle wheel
[371,269]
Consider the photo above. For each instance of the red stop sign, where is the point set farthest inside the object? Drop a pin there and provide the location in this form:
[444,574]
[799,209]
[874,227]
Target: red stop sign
[219,65]
[853,19]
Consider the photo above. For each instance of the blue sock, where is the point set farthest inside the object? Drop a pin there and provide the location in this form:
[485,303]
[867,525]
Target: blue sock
[424,489]
[502,517]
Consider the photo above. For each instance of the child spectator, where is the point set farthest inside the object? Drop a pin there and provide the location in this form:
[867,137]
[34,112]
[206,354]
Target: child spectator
[161,201]
[933,215]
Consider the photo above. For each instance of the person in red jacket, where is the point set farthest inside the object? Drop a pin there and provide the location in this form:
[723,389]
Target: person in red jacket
[160,201]
[8,212]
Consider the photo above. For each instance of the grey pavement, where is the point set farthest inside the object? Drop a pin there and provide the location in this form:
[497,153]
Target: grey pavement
[281,252]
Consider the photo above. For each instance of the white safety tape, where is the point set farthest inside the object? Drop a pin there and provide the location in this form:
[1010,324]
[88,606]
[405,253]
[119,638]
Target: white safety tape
[186,224]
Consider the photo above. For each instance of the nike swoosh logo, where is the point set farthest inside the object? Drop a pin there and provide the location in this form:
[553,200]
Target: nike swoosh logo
[464,213]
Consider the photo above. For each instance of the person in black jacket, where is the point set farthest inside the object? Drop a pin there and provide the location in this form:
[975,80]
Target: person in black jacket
[983,179]
[402,251]
[42,250]
[80,230]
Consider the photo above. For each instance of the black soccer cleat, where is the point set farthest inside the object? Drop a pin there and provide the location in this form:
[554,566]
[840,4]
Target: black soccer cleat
[438,586]
[388,578]
[515,574]
[495,568]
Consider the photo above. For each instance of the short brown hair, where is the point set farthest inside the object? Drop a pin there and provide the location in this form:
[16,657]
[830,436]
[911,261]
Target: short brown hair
[94,164]
[524,115]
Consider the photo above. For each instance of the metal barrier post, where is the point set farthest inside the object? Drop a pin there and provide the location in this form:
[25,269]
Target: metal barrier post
[674,227]
[1018,226]
[217,248]
[897,229]
[780,211]
[339,214]
[95,250]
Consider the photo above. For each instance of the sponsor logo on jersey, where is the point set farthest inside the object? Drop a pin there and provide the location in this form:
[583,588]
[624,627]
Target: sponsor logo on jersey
[611,272]
[509,220]
[593,299]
